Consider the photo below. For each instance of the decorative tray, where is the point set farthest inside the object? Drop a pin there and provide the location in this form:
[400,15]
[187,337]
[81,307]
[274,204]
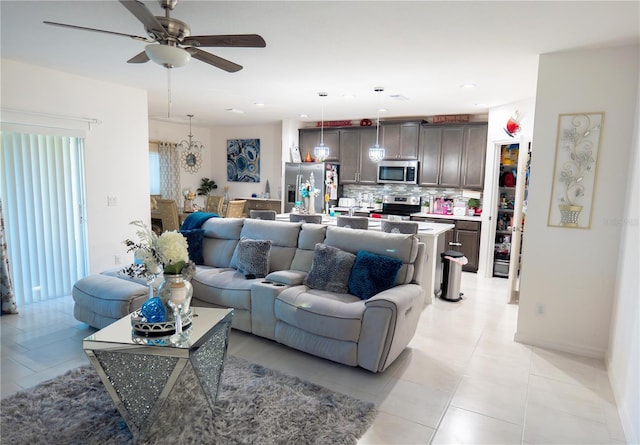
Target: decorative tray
[142,327]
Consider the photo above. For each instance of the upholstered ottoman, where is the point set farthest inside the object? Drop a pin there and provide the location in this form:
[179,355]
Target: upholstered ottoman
[102,299]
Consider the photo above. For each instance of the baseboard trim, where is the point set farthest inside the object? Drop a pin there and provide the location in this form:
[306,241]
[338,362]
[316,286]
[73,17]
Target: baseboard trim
[560,346]
[625,417]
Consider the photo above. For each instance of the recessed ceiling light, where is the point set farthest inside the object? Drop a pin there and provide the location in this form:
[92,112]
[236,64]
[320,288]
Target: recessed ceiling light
[482,105]
[304,115]
[259,104]
[234,110]
[382,110]
[468,85]
[398,97]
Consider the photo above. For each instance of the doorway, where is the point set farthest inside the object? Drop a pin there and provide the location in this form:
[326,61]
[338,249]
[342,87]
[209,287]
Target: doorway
[43,196]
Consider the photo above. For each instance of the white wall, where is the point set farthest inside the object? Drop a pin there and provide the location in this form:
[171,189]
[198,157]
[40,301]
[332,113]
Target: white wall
[270,158]
[568,277]
[176,133]
[116,160]
[623,362]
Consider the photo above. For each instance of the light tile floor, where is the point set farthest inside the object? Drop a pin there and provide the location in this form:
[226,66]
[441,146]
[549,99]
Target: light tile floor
[462,380]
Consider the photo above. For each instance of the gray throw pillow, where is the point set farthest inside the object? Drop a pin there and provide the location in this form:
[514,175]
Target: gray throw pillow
[330,269]
[252,257]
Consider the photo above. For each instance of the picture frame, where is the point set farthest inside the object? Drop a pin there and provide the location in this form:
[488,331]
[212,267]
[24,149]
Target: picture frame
[574,170]
[243,160]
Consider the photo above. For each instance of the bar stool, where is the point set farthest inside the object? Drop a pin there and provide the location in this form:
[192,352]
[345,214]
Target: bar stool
[300,217]
[408,227]
[262,214]
[353,222]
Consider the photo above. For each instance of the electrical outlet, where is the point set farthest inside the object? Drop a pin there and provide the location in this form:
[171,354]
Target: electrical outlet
[112,201]
[540,309]
[117,259]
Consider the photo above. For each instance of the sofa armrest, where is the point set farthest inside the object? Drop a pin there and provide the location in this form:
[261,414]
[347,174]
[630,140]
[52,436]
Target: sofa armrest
[389,323]
[290,277]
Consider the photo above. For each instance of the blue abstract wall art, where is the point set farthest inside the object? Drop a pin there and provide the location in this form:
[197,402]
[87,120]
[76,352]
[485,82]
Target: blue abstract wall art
[243,160]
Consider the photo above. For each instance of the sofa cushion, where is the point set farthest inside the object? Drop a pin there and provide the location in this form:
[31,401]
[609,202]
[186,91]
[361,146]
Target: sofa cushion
[283,236]
[330,269]
[251,257]
[394,245]
[223,288]
[194,237]
[372,274]
[221,236]
[320,312]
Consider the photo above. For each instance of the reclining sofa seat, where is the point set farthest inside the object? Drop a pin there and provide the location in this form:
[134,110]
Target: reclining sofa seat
[340,327]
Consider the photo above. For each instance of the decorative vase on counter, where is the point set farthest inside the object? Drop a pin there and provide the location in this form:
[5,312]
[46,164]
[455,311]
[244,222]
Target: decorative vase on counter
[309,205]
[175,283]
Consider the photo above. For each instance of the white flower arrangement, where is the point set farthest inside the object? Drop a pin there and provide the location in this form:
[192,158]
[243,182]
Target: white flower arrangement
[166,253]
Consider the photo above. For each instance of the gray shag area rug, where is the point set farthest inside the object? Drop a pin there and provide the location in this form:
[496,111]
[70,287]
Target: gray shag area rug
[255,405]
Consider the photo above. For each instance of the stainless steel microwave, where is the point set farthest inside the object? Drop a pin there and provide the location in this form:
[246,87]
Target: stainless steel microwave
[398,172]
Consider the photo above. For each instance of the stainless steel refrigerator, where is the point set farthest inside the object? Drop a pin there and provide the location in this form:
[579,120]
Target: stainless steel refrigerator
[325,178]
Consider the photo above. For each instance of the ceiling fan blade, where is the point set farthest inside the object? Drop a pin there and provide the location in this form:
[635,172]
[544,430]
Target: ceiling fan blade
[216,61]
[83,28]
[238,40]
[142,13]
[139,58]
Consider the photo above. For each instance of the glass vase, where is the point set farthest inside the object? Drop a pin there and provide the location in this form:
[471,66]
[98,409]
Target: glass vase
[175,283]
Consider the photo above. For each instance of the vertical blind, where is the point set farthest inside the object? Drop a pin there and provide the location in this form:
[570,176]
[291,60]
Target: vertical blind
[42,189]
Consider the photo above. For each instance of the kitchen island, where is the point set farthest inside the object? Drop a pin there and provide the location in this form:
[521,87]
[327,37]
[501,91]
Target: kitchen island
[430,234]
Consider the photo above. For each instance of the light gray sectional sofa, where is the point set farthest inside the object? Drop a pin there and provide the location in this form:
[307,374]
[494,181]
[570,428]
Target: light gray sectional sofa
[306,300]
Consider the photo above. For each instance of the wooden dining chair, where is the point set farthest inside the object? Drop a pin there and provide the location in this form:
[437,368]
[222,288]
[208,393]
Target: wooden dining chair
[214,204]
[168,211]
[235,209]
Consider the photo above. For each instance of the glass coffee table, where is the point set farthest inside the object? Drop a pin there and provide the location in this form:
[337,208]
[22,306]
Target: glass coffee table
[153,381]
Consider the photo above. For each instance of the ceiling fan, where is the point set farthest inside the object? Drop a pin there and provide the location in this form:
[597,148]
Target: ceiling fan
[170,42]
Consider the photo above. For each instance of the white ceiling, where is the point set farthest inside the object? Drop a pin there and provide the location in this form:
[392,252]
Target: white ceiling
[421,50]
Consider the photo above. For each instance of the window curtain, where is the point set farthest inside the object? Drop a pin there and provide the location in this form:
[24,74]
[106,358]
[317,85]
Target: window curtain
[6,285]
[154,169]
[42,191]
[169,171]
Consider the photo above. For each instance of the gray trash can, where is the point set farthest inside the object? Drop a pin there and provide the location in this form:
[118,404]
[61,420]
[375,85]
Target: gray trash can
[452,262]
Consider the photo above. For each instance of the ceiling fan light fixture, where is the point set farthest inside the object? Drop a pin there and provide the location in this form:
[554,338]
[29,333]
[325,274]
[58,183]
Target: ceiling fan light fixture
[167,55]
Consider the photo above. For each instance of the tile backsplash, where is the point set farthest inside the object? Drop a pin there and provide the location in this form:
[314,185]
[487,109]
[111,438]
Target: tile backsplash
[372,191]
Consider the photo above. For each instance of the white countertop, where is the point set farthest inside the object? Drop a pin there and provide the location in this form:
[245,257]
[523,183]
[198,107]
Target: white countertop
[454,217]
[424,228]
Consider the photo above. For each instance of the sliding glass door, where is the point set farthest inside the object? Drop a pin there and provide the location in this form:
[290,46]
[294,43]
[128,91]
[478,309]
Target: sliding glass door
[43,196]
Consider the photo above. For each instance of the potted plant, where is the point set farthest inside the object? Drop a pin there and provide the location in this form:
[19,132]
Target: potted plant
[206,186]
[377,203]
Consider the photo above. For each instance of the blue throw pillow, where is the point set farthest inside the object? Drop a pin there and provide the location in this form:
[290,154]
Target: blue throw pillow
[194,244]
[372,273]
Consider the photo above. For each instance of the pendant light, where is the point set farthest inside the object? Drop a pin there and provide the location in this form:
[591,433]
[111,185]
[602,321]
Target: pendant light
[321,152]
[191,156]
[376,153]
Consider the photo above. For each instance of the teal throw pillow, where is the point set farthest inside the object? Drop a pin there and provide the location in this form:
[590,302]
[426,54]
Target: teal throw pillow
[372,273]
[194,238]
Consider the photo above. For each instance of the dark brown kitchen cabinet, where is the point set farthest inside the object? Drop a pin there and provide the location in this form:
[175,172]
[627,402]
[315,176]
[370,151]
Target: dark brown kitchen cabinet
[453,155]
[467,241]
[310,138]
[401,140]
[441,158]
[464,238]
[475,149]
[355,165]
